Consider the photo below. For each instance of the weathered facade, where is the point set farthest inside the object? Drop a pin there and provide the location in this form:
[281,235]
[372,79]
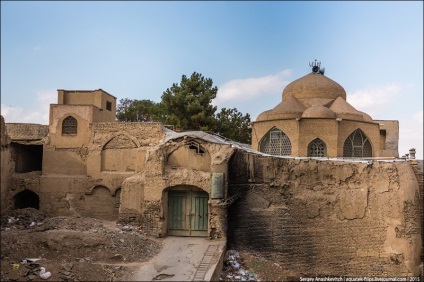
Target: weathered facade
[327,217]
[313,215]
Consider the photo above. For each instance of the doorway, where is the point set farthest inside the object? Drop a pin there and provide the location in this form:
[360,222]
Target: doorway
[188,213]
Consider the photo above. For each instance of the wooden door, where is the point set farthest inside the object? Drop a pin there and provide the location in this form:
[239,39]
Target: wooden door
[188,213]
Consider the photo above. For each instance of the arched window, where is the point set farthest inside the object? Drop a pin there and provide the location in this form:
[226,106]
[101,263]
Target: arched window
[357,145]
[276,142]
[317,148]
[69,126]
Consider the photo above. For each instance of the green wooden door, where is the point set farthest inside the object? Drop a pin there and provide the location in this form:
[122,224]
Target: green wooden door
[187,213]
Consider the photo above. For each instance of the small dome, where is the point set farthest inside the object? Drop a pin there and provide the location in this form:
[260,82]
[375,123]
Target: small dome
[263,115]
[291,108]
[318,112]
[314,85]
[366,116]
[344,110]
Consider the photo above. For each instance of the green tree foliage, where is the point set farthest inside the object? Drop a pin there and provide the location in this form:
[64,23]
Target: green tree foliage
[233,125]
[121,109]
[138,110]
[188,105]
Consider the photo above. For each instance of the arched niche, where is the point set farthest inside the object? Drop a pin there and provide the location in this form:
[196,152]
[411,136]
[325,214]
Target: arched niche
[101,204]
[192,155]
[118,154]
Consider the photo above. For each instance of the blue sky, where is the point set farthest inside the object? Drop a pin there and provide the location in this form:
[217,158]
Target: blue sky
[251,50]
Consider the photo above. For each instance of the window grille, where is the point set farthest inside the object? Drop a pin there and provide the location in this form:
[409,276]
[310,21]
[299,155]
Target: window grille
[196,147]
[276,142]
[357,145]
[69,126]
[317,148]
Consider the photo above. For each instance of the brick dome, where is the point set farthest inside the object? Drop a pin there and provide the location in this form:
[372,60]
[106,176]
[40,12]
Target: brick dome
[314,85]
[318,111]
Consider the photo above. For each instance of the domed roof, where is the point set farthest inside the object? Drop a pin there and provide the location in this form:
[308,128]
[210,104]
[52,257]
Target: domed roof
[291,108]
[314,96]
[344,110]
[318,112]
[314,85]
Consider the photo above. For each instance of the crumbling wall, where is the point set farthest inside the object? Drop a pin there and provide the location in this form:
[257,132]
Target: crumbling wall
[169,166]
[326,217]
[7,165]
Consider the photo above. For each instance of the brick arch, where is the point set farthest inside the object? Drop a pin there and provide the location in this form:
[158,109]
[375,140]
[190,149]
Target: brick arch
[357,145]
[276,142]
[317,148]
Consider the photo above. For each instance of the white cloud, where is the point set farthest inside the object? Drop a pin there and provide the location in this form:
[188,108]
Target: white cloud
[377,101]
[374,100]
[411,134]
[39,113]
[250,88]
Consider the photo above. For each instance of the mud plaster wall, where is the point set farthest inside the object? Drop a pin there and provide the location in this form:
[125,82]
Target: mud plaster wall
[7,165]
[144,196]
[328,218]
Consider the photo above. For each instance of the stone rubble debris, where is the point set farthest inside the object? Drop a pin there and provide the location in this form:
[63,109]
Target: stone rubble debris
[234,270]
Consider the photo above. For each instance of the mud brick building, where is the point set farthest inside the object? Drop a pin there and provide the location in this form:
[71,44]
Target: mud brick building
[321,190]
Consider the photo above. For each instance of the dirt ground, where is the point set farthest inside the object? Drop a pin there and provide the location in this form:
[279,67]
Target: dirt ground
[71,249]
[88,249]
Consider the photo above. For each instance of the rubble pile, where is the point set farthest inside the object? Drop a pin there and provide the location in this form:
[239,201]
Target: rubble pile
[22,219]
[234,270]
[69,248]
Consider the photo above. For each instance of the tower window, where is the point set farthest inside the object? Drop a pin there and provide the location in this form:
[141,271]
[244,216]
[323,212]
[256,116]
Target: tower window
[357,145]
[317,148]
[69,126]
[276,142]
[108,105]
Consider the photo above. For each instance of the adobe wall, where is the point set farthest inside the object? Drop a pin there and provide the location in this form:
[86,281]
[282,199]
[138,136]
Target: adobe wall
[87,180]
[326,217]
[172,166]
[7,165]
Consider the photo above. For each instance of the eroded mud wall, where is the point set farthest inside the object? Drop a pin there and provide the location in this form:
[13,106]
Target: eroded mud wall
[7,165]
[325,217]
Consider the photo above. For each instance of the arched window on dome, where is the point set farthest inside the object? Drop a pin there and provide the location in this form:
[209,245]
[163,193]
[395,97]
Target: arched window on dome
[276,142]
[357,145]
[317,148]
[69,126]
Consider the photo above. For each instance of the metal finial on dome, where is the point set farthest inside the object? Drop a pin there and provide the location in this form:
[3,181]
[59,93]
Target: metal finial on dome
[316,67]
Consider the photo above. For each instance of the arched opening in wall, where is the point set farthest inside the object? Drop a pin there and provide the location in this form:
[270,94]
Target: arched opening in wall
[26,199]
[357,145]
[69,126]
[276,142]
[101,204]
[317,148]
[187,210]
